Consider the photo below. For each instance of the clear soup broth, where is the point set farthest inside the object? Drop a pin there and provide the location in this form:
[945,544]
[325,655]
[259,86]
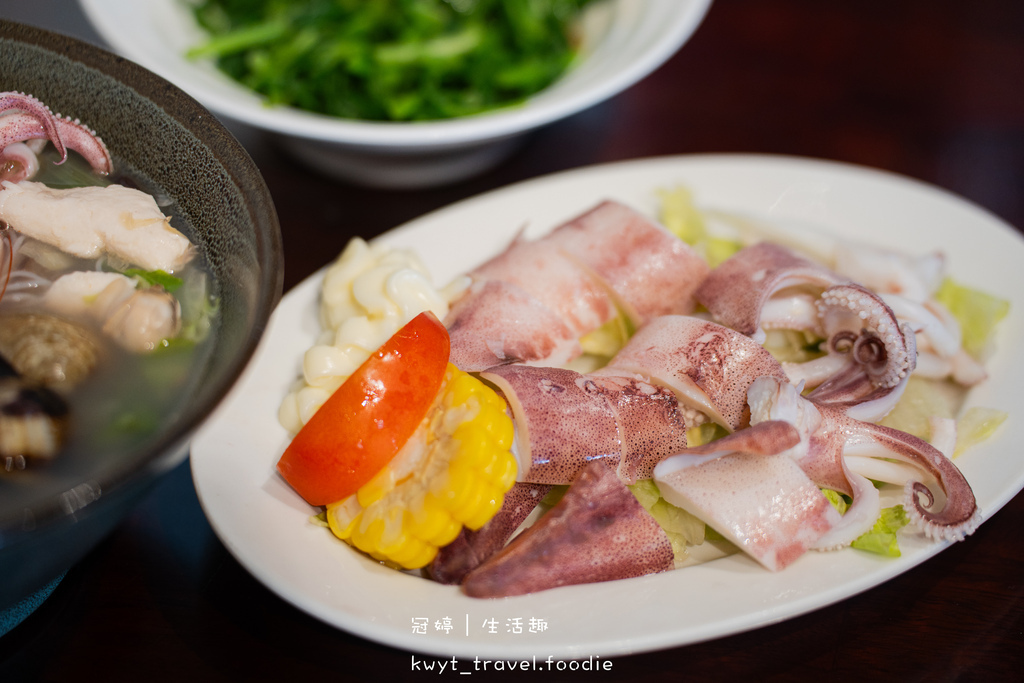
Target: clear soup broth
[128,399]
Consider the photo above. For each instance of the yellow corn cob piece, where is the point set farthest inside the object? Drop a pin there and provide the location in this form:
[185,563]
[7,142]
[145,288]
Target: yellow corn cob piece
[453,472]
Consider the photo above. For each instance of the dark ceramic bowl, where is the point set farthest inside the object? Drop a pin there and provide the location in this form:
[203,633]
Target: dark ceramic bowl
[158,133]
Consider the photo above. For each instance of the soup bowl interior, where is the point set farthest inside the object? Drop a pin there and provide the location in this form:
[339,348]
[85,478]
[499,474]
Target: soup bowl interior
[162,138]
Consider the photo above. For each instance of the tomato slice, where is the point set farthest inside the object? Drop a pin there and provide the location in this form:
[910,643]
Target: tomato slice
[361,427]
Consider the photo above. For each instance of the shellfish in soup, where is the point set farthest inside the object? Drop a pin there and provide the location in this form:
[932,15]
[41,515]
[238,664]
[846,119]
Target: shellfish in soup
[107,307]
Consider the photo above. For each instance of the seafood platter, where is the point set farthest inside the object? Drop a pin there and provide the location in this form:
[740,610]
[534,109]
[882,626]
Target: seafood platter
[642,405]
[140,259]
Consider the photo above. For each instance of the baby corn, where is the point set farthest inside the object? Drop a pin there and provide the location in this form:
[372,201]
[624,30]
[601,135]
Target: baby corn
[453,472]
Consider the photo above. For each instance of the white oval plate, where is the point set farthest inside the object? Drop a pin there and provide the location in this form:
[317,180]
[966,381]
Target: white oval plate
[264,524]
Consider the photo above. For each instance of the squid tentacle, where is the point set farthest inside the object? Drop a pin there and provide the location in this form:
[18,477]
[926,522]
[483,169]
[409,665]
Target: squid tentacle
[857,385]
[859,326]
[819,455]
[869,351]
[859,517]
[959,515]
[32,119]
[829,435]
[737,291]
[19,162]
[857,322]
[79,137]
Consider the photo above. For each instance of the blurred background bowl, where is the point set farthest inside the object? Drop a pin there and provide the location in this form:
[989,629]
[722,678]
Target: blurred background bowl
[624,41]
[156,131]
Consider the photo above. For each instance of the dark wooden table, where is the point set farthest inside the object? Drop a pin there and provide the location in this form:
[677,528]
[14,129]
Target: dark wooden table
[933,89]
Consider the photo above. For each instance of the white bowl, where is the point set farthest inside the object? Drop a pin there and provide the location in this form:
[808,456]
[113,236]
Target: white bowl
[624,40]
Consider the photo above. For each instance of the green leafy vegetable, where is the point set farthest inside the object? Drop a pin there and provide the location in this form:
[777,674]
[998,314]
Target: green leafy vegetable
[681,527]
[976,425]
[977,312]
[75,172]
[882,537]
[199,308]
[682,217]
[399,60]
[704,433]
[608,339]
[646,492]
[678,523]
[793,346]
[838,500]
[156,277]
[133,422]
[922,399]
[198,305]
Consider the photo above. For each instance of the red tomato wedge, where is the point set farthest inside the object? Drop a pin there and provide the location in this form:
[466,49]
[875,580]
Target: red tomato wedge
[361,427]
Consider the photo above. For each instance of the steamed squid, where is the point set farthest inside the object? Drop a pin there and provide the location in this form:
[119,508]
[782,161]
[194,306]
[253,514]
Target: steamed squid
[791,429]
[535,301]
